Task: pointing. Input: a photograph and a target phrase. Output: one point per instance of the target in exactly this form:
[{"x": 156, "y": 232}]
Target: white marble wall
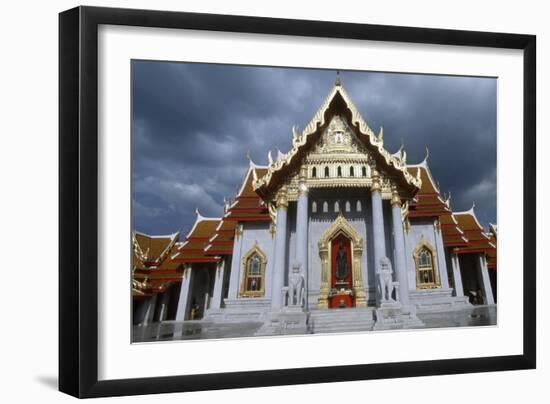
[
  {"x": 425, "y": 229},
  {"x": 319, "y": 222},
  {"x": 253, "y": 234},
  {"x": 361, "y": 221}
]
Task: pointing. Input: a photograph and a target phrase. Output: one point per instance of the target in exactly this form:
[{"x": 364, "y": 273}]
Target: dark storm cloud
[{"x": 193, "y": 125}]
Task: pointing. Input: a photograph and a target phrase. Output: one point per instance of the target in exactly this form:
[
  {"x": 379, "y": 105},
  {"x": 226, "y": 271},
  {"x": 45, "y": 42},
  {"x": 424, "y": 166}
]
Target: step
[{"x": 342, "y": 320}]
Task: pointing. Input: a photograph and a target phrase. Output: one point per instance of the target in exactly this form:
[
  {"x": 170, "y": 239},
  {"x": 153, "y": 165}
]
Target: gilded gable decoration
[{"x": 337, "y": 135}]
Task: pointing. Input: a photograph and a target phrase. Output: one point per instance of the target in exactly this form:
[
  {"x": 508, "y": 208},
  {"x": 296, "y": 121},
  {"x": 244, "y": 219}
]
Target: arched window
[
  {"x": 339, "y": 171},
  {"x": 348, "y": 206},
  {"x": 426, "y": 274},
  {"x": 314, "y": 207},
  {"x": 364, "y": 171},
  {"x": 325, "y": 206},
  {"x": 351, "y": 173},
  {"x": 358, "y": 207},
  {"x": 314, "y": 172},
  {"x": 337, "y": 206},
  {"x": 253, "y": 271},
  {"x": 326, "y": 171}
]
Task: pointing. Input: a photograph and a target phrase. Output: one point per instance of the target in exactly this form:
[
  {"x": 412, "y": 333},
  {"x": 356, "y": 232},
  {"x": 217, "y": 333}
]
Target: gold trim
[
  {"x": 282, "y": 199},
  {"x": 376, "y": 184},
  {"x": 416, "y": 253},
  {"x": 263, "y": 263},
  {"x": 341, "y": 226},
  {"x": 238, "y": 231},
  {"x": 395, "y": 198},
  {"x": 357, "y": 121},
  {"x": 437, "y": 226}
]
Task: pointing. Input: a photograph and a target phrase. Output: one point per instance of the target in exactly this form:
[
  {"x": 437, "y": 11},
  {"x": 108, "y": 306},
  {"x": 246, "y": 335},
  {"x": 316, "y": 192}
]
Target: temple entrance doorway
[
  {"x": 341, "y": 295},
  {"x": 340, "y": 250}
]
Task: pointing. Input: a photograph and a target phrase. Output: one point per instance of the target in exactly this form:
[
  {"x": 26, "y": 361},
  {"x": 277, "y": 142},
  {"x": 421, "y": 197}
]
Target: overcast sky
[{"x": 194, "y": 123}]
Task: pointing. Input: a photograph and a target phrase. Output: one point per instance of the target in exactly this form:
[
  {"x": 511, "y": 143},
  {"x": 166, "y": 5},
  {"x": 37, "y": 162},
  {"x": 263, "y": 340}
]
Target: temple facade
[{"x": 337, "y": 234}]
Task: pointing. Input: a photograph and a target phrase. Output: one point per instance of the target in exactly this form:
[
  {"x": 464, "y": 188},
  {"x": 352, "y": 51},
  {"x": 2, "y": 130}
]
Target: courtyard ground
[{"x": 189, "y": 330}]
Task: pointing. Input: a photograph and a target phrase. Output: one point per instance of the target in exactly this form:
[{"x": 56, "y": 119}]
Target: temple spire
[{"x": 338, "y": 83}]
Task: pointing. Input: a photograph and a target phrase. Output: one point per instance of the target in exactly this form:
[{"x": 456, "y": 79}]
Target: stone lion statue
[
  {"x": 295, "y": 286},
  {"x": 385, "y": 281}
]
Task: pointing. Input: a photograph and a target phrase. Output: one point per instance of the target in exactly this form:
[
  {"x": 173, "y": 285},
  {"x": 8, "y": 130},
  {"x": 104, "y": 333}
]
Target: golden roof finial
[
  {"x": 448, "y": 200},
  {"x": 380, "y": 137},
  {"x": 338, "y": 83}
]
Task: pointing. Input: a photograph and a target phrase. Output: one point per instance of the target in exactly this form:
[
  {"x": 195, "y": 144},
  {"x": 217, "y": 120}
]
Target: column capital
[
  {"x": 437, "y": 225},
  {"x": 376, "y": 186},
  {"x": 395, "y": 198},
  {"x": 302, "y": 189},
  {"x": 282, "y": 198}
]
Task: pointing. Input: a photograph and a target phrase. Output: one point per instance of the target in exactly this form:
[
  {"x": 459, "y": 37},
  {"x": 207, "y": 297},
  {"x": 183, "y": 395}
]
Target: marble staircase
[{"x": 341, "y": 320}]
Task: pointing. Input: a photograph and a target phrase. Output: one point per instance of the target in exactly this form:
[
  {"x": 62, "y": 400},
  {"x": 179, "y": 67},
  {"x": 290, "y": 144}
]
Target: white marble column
[
  {"x": 235, "y": 273},
  {"x": 457, "y": 276},
  {"x": 150, "y": 313},
  {"x": 377, "y": 221},
  {"x": 441, "y": 262},
  {"x": 399, "y": 243},
  {"x": 217, "y": 298},
  {"x": 302, "y": 230},
  {"x": 280, "y": 251},
  {"x": 484, "y": 272},
  {"x": 185, "y": 294},
  {"x": 164, "y": 301}
]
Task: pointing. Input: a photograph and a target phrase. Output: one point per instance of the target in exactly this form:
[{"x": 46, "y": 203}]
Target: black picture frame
[{"x": 78, "y": 200}]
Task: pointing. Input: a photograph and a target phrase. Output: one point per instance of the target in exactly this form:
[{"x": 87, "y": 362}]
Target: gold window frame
[
  {"x": 244, "y": 273},
  {"x": 424, "y": 245}
]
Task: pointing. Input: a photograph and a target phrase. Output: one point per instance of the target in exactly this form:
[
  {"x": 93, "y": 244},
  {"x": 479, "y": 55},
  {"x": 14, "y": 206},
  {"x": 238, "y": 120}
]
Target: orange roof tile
[
  {"x": 247, "y": 207},
  {"x": 152, "y": 251},
  {"x": 192, "y": 250},
  {"x": 492, "y": 252},
  {"x": 478, "y": 240},
  {"x": 453, "y": 236},
  {"x": 427, "y": 202}
]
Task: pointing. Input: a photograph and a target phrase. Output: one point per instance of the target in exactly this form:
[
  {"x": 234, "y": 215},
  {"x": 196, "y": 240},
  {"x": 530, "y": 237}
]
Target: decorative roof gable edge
[
  {"x": 318, "y": 120},
  {"x": 472, "y": 213}
]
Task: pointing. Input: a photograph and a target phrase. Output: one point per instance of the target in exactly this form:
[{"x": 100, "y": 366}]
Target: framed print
[{"x": 304, "y": 201}]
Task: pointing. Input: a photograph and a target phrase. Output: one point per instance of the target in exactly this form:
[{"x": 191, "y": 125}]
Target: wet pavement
[
  {"x": 190, "y": 330},
  {"x": 471, "y": 317},
  {"x": 171, "y": 330}
]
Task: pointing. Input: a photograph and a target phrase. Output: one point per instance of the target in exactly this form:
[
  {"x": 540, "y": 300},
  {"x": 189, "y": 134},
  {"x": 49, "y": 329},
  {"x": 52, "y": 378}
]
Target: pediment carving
[{"x": 338, "y": 138}]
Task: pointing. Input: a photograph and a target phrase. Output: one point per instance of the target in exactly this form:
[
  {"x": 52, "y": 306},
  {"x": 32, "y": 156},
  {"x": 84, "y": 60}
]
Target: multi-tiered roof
[{"x": 159, "y": 260}]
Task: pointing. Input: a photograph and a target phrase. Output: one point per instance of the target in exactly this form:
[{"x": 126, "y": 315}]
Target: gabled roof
[
  {"x": 453, "y": 236},
  {"x": 151, "y": 251},
  {"x": 153, "y": 269},
  {"x": 492, "y": 252},
  {"x": 247, "y": 207},
  {"x": 427, "y": 201},
  {"x": 478, "y": 240},
  {"x": 192, "y": 250},
  {"x": 337, "y": 101}
]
